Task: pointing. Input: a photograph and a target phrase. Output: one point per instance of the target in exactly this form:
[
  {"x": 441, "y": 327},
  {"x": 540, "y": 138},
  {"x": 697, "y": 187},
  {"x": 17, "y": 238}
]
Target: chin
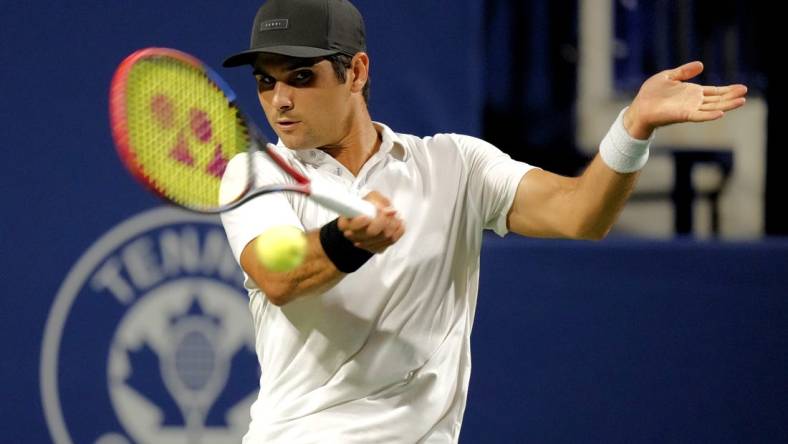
[
  {"x": 287, "y": 139},
  {"x": 297, "y": 140},
  {"x": 295, "y": 143}
]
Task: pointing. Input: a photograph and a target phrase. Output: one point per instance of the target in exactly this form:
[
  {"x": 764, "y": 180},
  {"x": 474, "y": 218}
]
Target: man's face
[{"x": 304, "y": 102}]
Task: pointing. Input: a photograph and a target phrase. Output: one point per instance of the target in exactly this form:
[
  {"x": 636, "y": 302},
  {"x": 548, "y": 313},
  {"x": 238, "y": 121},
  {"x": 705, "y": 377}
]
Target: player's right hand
[{"x": 376, "y": 234}]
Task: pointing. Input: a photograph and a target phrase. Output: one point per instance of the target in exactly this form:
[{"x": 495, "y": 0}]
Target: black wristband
[{"x": 340, "y": 250}]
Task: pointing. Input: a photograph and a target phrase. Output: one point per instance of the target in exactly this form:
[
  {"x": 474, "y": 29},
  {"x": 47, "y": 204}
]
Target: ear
[{"x": 359, "y": 71}]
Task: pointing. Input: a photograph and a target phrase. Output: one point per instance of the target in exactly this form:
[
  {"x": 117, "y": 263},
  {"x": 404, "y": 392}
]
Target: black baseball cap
[{"x": 304, "y": 28}]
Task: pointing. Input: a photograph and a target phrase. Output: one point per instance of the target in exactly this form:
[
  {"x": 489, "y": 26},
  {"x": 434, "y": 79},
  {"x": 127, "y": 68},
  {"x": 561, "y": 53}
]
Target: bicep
[{"x": 541, "y": 206}]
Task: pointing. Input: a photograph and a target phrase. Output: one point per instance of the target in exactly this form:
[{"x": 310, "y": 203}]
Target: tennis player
[{"x": 369, "y": 340}]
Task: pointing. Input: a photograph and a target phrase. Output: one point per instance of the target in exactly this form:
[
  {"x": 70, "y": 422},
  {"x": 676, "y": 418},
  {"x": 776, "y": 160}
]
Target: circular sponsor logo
[{"x": 150, "y": 338}]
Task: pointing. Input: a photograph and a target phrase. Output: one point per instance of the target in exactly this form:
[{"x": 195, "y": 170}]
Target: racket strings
[{"x": 183, "y": 130}]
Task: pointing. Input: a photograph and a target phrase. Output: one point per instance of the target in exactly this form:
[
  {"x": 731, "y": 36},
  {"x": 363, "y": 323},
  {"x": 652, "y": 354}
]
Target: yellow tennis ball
[{"x": 281, "y": 248}]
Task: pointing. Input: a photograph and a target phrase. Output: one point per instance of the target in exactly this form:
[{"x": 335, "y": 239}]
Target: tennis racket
[{"x": 176, "y": 126}]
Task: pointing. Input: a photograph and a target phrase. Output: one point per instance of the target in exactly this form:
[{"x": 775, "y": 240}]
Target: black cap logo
[{"x": 271, "y": 25}]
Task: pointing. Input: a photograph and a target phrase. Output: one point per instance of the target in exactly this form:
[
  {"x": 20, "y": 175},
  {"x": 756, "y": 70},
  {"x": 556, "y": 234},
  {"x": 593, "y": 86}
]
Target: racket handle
[{"x": 344, "y": 203}]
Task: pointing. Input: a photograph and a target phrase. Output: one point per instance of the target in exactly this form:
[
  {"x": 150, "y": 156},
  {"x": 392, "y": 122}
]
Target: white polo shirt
[{"x": 383, "y": 356}]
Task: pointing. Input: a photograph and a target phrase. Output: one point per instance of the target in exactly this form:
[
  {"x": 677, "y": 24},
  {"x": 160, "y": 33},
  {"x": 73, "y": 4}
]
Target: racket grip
[{"x": 344, "y": 203}]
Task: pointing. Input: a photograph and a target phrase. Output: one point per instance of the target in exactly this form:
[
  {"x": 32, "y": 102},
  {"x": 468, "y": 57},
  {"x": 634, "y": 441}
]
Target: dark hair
[{"x": 341, "y": 63}]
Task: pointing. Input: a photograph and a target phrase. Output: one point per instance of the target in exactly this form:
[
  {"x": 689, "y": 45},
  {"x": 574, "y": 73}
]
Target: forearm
[
  {"x": 600, "y": 196},
  {"x": 315, "y": 275},
  {"x": 604, "y": 187},
  {"x": 339, "y": 247}
]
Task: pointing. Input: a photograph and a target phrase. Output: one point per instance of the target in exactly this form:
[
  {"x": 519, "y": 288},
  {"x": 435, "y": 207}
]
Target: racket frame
[{"x": 346, "y": 205}]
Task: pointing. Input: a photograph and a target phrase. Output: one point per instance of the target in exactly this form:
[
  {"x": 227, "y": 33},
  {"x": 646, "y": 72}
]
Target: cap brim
[{"x": 249, "y": 56}]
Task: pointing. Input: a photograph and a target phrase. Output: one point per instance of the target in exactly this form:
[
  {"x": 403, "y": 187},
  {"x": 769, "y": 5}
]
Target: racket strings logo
[
  {"x": 150, "y": 338},
  {"x": 173, "y": 125},
  {"x": 200, "y": 130}
]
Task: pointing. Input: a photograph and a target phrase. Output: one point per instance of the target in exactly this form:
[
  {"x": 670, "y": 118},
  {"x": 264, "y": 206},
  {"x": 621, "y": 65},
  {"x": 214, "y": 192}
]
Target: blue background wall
[{"x": 619, "y": 341}]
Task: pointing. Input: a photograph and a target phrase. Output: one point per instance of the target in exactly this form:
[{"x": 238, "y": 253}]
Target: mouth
[{"x": 287, "y": 123}]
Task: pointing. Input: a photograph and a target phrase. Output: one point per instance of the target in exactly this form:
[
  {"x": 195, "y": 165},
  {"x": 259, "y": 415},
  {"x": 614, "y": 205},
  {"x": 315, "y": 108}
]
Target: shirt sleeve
[
  {"x": 493, "y": 177},
  {"x": 248, "y": 221}
]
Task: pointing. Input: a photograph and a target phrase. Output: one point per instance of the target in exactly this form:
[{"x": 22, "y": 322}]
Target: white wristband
[{"x": 620, "y": 151}]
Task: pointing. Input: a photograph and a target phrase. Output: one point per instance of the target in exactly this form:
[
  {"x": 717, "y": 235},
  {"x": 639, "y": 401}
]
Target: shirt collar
[{"x": 392, "y": 144}]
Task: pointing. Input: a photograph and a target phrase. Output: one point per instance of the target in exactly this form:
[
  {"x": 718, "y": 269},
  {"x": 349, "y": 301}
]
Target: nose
[{"x": 283, "y": 97}]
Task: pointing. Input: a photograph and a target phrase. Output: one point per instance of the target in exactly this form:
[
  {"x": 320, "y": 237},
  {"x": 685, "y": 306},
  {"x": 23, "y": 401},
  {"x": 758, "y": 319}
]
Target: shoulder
[
  {"x": 440, "y": 143},
  {"x": 445, "y": 143},
  {"x": 234, "y": 180},
  {"x": 444, "y": 147},
  {"x": 469, "y": 149},
  {"x": 239, "y": 165},
  {"x": 458, "y": 142},
  {"x": 263, "y": 168}
]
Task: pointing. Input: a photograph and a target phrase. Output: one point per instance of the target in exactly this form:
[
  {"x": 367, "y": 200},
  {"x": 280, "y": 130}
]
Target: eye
[
  {"x": 302, "y": 77},
  {"x": 264, "y": 81}
]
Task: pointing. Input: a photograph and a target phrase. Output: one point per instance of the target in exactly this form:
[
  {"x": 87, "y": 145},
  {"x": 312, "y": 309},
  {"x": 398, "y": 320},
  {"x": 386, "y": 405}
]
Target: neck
[{"x": 361, "y": 141}]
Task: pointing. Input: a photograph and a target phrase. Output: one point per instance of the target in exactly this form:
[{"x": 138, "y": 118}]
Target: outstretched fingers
[
  {"x": 724, "y": 92},
  {"x": 723, "y": 98},
  {"x": 705, "y": 116}
]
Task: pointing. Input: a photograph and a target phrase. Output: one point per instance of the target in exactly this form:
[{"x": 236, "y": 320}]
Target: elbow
[
  {"x": 595, "y": 236},
  {"x": 591, "y": 225},
  {"x": 277, "y": 294},
  {"x": 591, "y": 233},
  {"x": 277, "y": 300}
]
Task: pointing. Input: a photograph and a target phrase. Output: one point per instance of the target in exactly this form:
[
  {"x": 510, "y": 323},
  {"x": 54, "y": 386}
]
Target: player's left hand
[
  {"x": 667, "y": 98},
  {"x": 377, "y": 234}
]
